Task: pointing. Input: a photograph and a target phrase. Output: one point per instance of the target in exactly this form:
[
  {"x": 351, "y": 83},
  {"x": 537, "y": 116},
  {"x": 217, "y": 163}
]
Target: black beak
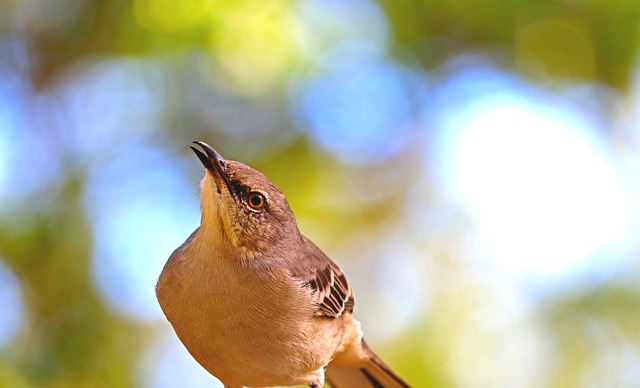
[{"x": 212, "y": 161}]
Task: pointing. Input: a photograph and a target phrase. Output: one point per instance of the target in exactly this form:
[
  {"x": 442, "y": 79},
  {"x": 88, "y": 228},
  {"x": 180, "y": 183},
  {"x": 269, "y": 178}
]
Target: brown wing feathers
[
  {"x": 332, "y": 290},
  {"x": 333, "y": 296}
]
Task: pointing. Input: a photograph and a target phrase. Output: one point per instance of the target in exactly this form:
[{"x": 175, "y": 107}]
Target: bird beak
[{"x": 212, "y": 161}]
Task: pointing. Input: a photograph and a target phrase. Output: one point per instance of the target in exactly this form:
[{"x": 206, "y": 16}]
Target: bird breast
[{"x": 244, "y": 326}]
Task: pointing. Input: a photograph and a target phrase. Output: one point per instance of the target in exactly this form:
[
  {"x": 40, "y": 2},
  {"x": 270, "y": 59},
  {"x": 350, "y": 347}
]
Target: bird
[{"x": 254, "y": 301}]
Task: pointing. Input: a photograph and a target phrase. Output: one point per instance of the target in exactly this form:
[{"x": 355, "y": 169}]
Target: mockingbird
[{"x": 254, "y": 301}]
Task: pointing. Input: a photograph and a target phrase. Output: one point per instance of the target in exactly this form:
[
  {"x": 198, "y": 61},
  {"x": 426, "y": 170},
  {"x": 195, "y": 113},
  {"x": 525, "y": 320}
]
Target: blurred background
[{"x": 472, "y": 165}]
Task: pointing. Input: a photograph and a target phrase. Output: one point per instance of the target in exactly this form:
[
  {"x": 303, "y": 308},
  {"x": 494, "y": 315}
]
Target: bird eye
[{"x": 255, "y": 200}]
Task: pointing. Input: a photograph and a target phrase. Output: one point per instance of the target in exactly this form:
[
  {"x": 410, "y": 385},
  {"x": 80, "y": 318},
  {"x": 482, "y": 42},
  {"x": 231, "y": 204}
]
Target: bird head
[{"x": 241, "y": 207}]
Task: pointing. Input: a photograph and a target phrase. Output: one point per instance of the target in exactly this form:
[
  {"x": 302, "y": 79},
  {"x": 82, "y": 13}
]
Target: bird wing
[
  {"x": 331, "y": 291},
  {"x": 328, "y": 284}
]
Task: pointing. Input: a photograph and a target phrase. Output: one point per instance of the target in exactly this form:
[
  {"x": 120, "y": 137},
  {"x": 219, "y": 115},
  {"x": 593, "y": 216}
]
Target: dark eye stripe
[
  {"x": 242, "y": 192},
  {"x": 238, "y": 188}
]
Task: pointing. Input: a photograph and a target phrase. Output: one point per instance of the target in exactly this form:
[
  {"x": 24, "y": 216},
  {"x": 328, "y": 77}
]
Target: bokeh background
[{"x": 473, "y": 165}]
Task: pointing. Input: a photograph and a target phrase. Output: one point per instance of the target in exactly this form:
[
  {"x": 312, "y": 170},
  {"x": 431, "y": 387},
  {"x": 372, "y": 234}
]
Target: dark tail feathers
[{"x": 374, "y": 373}]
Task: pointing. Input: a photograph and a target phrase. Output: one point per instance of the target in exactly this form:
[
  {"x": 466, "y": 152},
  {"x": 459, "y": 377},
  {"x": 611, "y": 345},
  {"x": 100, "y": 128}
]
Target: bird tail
[{"x": 372, "y": 372}]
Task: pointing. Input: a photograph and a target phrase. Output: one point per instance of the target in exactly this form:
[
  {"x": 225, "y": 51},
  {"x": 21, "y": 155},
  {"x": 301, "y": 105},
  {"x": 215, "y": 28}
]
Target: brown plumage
[{"x": 254, "y": 301}]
